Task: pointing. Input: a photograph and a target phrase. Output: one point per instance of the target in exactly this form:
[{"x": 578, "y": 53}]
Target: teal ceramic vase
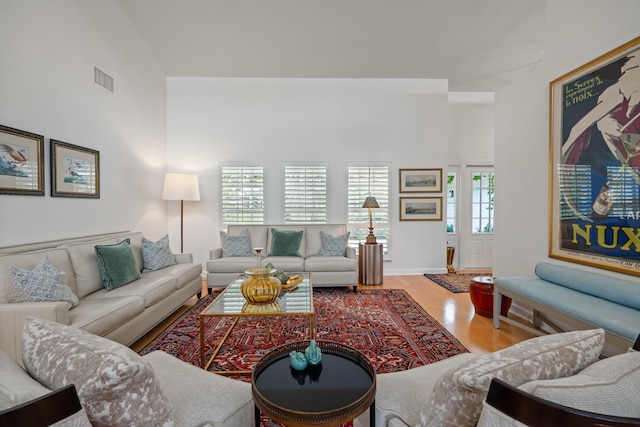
[
  {"x": 298, "y": 360},
  {"x": 313, "y": 353}
]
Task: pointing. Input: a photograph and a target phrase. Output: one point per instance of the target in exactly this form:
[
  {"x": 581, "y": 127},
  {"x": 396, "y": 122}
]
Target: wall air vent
[{"x": 103, "y": 79}]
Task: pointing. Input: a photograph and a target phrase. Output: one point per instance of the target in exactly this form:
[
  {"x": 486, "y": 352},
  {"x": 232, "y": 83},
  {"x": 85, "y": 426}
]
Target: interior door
[{"x": 477, "y": 217}]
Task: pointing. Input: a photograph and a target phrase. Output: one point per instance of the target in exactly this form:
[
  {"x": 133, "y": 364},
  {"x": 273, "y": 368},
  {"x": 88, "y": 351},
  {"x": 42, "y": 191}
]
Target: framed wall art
[
  {"x": 21, "y": 162},
  {"x": 594, "y": 216},
  {"x": 420, "y": 180},
  {"x": 75, "y": 171},
  {"x": 420, "y": 208}
]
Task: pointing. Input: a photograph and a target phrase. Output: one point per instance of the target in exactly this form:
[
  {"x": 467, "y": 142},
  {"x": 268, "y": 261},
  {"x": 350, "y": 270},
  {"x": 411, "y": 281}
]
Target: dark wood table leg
[
  {"x": 372, "y": 414},
  {"x": 257, "y": 413}
]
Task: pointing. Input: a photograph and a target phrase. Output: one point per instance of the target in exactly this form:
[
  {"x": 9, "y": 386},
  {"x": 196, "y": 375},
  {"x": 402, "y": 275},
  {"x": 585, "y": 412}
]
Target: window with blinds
[
  {"x": 363, "y": 181},
  {"x": 242, "y": 195},
  {"x": 305, "y": 193}
]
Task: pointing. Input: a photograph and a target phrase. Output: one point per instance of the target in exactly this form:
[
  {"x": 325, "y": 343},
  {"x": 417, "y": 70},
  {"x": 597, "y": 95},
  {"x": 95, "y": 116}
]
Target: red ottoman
[{"x": 481, "y": 292}]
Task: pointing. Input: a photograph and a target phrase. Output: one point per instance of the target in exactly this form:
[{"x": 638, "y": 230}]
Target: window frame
[{"x": 485, "y": 202}]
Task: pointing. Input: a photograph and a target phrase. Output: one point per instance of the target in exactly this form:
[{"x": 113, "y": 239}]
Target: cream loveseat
[
  {"x": 563, "y": 368},
  {"x": 332, "y": 270},
  {"x": 123, "y": 314}
]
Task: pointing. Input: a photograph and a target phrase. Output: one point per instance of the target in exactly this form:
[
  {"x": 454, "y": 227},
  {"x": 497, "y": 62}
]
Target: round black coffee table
[{"x": 338, "y": 390}]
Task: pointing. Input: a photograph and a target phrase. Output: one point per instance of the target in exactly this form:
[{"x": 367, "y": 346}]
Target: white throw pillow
[
  {"x": 456, "y": 399},
  {"x": 116, "y": 386},
  {"x": 610, "y": 386},
  {"x": 239, "y": 245},
  {"x": 157, "y": 255},
  {"x": 333, "y": 245},
  {"x": 45, "y": 283}
]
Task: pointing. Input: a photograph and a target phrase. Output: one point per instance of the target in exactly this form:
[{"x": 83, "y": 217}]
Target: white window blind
[
  {"x": 364, "y": 181},
  {"x": 305, "y": 193},
  {"x": 242, "y": 195}
]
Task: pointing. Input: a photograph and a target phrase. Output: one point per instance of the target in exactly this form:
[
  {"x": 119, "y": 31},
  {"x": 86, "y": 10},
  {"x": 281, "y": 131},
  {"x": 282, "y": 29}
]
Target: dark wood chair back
[
  {"x": 44, "y": 410},
  {"x": 536, "y": 412}
]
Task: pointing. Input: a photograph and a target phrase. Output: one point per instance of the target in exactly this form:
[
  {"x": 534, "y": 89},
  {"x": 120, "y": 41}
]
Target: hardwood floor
[{"x": 454, "y": 311}]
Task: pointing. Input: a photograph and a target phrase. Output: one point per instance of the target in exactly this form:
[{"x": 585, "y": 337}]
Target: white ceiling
[{"x": 479, "y": 45}]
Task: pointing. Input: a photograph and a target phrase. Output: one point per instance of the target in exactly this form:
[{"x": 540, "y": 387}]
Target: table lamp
[
  {"x": 181, "y": 186},
  {"x": 371, "y": 203}
]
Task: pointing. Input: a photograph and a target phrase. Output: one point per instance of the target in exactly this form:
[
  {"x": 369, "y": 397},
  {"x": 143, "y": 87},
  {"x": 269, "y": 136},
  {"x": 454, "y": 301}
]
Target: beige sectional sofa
[
  {"x": 326, "y": 270},
  {"x": 123, "y": 314}
]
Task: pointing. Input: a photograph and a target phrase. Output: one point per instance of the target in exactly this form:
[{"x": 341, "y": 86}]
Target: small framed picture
[
  {"x": 420, "y": 208},
  {"x": 21, "y": 162},
  {"x": 75, "y": 171},
  {"x": 420, "y": 180}
]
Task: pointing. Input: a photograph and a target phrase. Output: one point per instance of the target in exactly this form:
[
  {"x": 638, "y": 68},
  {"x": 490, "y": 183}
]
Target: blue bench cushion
[
  {"x": 611, "y": 316},
  {"x": 620, "y": 291}
]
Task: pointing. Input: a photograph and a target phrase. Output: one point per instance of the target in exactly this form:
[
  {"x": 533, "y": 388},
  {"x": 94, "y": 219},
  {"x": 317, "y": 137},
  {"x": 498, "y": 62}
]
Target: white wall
[
  {"x": 48, "y": 51},
  {"x": 577, "y": 32},
  {"x": 471, "y": 133},
  {"x": 471, "y": 141},
  {"x": 214, "y": 120}
]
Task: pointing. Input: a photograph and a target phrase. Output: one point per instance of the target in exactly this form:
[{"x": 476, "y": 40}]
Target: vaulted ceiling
[{"x": 478, "y": 45}]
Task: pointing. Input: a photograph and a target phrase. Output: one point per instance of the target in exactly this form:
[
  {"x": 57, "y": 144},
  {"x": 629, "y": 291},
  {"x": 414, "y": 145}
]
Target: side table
[
  {"x": 370, "y": 264},
  {"x": 339, "y": 389},
  {"x": 481, "y": 293}
]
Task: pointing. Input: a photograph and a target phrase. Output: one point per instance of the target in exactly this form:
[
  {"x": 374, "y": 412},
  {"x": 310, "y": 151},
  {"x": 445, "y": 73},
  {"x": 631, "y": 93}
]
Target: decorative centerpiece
[
  {"x": 260, "y": 287},
  {"x": 312, "y": 356}
]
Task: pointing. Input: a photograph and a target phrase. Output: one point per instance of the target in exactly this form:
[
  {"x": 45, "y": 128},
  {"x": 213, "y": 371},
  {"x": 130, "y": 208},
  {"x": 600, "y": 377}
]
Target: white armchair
[
  {"x": 451, "y": 392},
  {"x": 116, "y": 386}
]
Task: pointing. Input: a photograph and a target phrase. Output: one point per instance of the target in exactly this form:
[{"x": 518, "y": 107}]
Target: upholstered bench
[{"x": 577, "y": 298}]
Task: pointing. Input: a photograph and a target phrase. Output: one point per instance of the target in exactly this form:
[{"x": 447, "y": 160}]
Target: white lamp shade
[{"x": 180, "y": 186}]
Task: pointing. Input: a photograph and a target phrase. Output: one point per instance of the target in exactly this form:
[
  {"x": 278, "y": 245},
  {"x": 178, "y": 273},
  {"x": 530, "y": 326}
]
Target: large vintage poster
[{"x": 595, "y": 156}]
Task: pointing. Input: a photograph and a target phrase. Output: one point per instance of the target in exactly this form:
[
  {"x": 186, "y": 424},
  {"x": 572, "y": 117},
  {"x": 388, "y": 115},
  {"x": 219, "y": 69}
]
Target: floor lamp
[{"x": 181, "y": 186}]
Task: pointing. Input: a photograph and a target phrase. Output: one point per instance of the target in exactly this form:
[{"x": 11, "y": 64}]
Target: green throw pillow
[
  {"x": 285, "y": 242},
  {"x": 117, "y": 264}
]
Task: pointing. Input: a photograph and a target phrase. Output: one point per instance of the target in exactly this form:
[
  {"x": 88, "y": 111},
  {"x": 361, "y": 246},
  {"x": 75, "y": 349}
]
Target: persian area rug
[
  {"x": 387, "y": 325},
  {"x": 454, "y": 282}
]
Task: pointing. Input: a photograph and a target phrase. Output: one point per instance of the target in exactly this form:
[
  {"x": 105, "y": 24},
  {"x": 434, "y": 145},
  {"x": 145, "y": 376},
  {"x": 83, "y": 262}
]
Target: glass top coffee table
[
  {"x": 339, "y": 389},
  {"x": 297, "y": 301}
]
